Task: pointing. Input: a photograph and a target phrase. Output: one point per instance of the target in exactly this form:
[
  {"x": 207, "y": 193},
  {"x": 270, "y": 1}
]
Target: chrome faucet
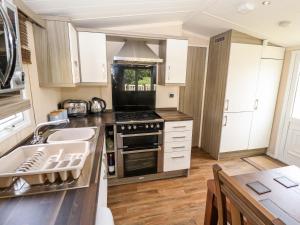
[{"x": 38, "y": 138}]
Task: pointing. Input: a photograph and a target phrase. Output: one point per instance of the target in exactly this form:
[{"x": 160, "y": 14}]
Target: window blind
[
  {"x": 25, "y": 51},
  {"x": 12, "y": 103}
]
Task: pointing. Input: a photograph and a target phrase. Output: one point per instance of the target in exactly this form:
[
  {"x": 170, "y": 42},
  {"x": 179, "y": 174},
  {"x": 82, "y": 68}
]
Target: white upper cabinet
[
  {"x": 173, "y": 71},
  {"x": 92, "y": 52},
  {"x": 242, "y": 78},
  {"x": 235, "y": 131},
  {"x": 74, "y": 54},
  {"x": 272, "y": 52},
  {"x": 266, "y": 96}
]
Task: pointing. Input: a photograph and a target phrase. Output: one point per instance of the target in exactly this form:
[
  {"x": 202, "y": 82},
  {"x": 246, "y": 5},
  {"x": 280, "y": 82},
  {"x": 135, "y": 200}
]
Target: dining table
[{"x": 278, "y": 190}]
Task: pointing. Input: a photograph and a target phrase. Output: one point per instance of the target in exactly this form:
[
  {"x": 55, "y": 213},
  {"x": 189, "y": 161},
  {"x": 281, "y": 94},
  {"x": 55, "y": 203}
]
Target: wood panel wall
[
  {"x": 218, "y": 58},
  {"x": 191, "y": 95}
]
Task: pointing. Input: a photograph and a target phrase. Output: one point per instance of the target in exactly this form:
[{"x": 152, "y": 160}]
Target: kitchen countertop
[
  {"x": 167, "y": 114},
  {"x": 71, "y": 207},
  {"x": 173, "y": 115}
]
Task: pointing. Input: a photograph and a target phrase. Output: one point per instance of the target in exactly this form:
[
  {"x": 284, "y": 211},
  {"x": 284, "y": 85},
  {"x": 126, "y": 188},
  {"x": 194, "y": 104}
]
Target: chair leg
[{"x": 211, "y": 212}]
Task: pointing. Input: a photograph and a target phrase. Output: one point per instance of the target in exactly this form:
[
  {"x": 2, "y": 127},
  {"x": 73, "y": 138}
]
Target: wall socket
[{"x": 171, "y": 95}]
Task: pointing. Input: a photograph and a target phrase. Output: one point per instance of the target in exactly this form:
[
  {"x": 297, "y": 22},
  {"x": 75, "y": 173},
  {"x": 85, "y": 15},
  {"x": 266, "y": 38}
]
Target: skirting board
[
  {"x": 150, "y": 177},
  {"x": 242, "y": 153}
]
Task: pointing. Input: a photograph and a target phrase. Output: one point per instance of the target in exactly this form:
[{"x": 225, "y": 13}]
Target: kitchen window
[{"x": 11, "y": 121}]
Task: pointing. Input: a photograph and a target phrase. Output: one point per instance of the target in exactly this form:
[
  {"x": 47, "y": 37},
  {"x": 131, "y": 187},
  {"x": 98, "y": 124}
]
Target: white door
[
  {"x": 74, "y": 53},
  {"x": 92, "y": 51},
  {"x": 266, "y": 96},
  {"x": 176, "y": 60},
  {"x": 235, "y": 131},
  {"x": 292, "y": 144},
  {"x": 242, "y": 78}
]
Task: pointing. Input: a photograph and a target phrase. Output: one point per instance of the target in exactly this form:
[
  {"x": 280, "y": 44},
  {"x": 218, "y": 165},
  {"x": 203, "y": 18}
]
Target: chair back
[{"x": 243, "y": 208}]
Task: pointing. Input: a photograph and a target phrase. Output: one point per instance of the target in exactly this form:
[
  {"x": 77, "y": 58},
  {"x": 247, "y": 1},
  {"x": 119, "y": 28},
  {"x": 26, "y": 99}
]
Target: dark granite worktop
[{"x": 71, "y": 207}]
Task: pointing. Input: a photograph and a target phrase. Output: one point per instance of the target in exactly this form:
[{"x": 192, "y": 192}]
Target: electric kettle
[{"x": 98, "y": 105}]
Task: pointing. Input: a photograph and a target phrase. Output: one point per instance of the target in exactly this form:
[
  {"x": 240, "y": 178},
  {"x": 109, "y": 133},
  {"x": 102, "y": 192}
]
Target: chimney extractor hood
[{"x": 136, "y": 52}]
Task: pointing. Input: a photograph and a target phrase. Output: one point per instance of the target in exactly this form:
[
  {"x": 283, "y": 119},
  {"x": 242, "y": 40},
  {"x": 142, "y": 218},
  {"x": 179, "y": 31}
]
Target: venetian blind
[{"x": 25, "y": 51}]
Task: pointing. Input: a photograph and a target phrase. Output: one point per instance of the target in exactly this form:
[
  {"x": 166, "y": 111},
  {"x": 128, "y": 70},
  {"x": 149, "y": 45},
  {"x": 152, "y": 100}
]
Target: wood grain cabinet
[
  {"x": 177, "y": 145},
  {"x": 243, "y": 77},
  {"x": 173, "y": 69},
  {"x": 57, "y": 54},
  {"x": 93, "y": 63}
]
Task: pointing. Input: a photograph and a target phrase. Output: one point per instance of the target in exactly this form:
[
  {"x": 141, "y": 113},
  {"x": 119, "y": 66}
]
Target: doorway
[{"x": 291, "y": 132}]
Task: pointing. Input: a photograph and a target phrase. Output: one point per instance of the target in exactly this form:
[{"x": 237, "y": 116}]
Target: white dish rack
[{"x": 37, "y": 164}]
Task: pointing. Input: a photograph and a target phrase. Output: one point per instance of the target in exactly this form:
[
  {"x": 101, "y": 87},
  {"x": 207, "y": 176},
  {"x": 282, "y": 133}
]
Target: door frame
[{"x": 287, "y": 107}]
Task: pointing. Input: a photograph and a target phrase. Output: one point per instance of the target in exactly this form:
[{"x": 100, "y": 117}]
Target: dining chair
[{"x": 243, "y": 208}]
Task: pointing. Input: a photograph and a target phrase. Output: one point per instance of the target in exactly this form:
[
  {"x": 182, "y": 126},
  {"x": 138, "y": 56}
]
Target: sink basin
[{"x": 71, "y": 134}]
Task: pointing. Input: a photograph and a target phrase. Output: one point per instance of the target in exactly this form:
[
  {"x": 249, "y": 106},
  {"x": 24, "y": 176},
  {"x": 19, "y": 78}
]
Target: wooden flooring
[{"x": 178, "y": 201}]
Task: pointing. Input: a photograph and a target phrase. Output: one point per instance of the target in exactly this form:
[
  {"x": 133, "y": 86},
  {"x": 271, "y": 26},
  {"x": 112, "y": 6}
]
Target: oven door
[{"x": 139, "y": 162}]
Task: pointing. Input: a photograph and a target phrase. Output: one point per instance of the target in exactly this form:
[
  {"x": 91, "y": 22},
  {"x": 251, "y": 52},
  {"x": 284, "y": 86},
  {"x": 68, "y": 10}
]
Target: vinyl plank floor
[{"x": 177, "y": 201}]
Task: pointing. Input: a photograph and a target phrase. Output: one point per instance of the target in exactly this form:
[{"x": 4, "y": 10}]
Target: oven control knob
[
  {"x": 129, "y": 127},
  {"x": 146, "y": 126},
  {"x": 157, "y": 125},
  {"x": 134, "y": 127},
  {"x": 122, "y": 127},
  {"x": 152, "y": 125}
]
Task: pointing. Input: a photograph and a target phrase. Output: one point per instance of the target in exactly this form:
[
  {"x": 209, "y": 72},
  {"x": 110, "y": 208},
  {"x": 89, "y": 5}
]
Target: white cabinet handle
[
  {"x": 256, "y": 104},
  {"x": 103, "y": 71},
  {"x": 179, "y": 137},
  {"x": 178, "y": 147},
  {"x": 225, "y": 119},
  {"x": 177, "y": 157},
  {"x": 226, "y": 104},
  {"x": 179, "y": 127}
]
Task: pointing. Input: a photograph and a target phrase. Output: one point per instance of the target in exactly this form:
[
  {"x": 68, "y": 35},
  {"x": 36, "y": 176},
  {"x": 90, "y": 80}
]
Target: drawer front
[
  {"x": 178, "y": 136},
  {"x": 178, "y": 126},
  {"x": 178, "y": 146},
  {"x": 177, "y": 160}
]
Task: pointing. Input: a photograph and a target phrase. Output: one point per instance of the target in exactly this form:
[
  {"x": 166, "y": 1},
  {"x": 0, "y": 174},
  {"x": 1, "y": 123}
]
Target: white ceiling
[{"x": 205, "y": 17}]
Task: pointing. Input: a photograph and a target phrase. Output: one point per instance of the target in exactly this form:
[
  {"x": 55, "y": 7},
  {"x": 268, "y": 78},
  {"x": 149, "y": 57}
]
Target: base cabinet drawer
[
  {"x": 178, "y": 146},
  {"x": 178, "y": 136},
  {"x": 177, "y": 160},
  {"x": 178, "y": 126}
]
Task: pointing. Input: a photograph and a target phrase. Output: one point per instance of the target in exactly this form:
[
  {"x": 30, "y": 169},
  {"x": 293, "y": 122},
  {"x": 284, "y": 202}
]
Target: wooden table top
[{"x": 283, "y": 202}]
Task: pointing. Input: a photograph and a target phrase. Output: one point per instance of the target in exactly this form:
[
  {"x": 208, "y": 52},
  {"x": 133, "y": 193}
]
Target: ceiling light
[
  {"x": 266, "y": 3},
  {"x": 246, "y": 8},
  {"x": 284, "y": 23}
]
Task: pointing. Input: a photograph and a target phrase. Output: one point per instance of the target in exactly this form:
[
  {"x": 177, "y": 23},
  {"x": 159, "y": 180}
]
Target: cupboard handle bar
[
  {"x": 141, "y": 134},
  {"x": 179, "y": 137},
  {"x": 225, "y": 124},
  {"x": 177, "y": 157},
  {"x": 178, "y": 147},
  {"x": 179, "y": 127},
  {"x": 256, "y": 104},
  {"x": 226, "y": 104},
  {"x": 141, "y": 151}
]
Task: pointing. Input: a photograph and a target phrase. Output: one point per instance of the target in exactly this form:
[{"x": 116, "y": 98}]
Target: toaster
[{"x": 76, "y": 107}]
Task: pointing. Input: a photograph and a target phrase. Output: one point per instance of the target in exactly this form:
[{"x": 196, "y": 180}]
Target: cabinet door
[
  {"x": 176, "y": 60},
  {"x": 242, "y": 77},
  {"x": 235, "y": 131},
  {"x": 273, "y": 52},
  {"x": 74, "y": 54},
  {"x": 268, "y": 84},
  {"x": 59, "y": 54},
  {"x": 92, "y": 51}
]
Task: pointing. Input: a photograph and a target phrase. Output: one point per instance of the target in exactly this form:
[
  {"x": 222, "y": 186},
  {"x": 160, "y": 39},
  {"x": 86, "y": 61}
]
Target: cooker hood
[{"x": 134, "y": 51}]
